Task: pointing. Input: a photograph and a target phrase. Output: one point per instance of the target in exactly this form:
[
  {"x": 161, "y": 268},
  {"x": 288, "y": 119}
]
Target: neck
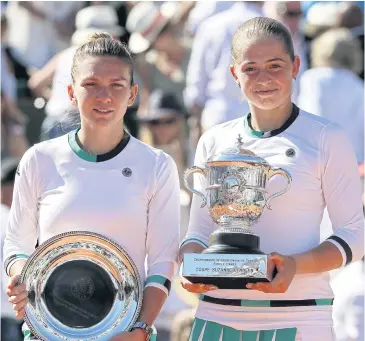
[
  {"x": 100, "y": 141},
  {"x": 267, "y": 120}
]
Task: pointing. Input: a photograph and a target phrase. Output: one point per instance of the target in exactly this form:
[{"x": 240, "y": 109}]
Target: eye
[
  {"x": 250, "y": 69},
  {"x": 89, "y": 84},
  {"x": 117, "y": 85},
  {"x": 275, "y": 66}
]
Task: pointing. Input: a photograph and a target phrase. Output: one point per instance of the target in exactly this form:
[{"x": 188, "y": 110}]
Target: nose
[
  {"x": 263, "y": 77},
  {"x": 103, "y": 94}
]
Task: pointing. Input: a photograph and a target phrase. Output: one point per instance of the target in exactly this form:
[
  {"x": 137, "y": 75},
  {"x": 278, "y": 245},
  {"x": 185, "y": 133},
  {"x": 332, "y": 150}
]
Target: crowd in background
[{"x": 182, "y": 55}]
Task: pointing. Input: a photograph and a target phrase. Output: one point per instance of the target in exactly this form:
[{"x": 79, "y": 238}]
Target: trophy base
[
  {"x": 227, "y": 270},
  {"x": 232, "y": 260}
]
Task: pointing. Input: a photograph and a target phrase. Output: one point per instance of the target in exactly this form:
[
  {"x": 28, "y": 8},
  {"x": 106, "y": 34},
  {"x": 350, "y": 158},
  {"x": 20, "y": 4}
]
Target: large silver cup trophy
[{"x": 236, "y": 198}]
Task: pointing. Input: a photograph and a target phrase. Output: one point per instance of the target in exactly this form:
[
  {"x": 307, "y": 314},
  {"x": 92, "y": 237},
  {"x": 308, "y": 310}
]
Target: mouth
[
  {"x": 266, "y": 93},
  {"x": 103, "y": 111}
]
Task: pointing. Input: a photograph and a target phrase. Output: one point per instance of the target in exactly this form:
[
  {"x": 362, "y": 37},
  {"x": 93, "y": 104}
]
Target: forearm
[
  {"x": 324, "y": 257},
  {"x": 17, "y": 267},
  {"x": 189, "y": 248},
  {"x": 153, "y": 300}
]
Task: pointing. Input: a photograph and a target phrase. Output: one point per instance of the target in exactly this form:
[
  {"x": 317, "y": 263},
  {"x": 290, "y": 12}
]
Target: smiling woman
[
  {"x": 297, "y": 304},
  {"x": 99, "y": 179}
]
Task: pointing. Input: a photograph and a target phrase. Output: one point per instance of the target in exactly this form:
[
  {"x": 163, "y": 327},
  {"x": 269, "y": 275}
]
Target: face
[
  {"x": 102, "y": 90},
  {"x": 265, "y": 73},
  {"x": 290, "y": 14}
]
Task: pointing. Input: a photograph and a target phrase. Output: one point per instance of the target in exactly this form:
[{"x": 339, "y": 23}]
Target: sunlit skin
[
  {"x": 103, "y": 90},
  {"x": 265, "y": 73}
]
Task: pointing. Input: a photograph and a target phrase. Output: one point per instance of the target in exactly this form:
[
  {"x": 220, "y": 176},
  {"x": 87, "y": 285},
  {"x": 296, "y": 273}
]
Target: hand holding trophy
[{"x": 236, "y": 199}]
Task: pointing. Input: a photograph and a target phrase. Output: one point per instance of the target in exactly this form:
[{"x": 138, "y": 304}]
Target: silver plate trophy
[
  {"x": 81, "y": 286},
  {"x": 236, "y": 198}
]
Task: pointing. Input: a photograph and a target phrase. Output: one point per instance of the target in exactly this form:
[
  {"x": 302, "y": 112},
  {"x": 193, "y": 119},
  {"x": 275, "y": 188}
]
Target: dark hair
[
  {"x": 102, "y": 44},
  {"x": 261, "y": 27}
]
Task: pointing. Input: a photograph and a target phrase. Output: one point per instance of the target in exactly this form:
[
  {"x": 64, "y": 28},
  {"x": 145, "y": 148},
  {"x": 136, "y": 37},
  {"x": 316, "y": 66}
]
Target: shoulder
[
  {"x": 326, "y": 132},
  {"x": 53, "y": 147},
  {"x": 308, "y": 119},
  {"x": 41, "y": 153}
]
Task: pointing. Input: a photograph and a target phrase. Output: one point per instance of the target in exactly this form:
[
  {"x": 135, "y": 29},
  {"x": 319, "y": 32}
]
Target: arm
[
  {"x": 21, "y": 234},
  {"x": 40, "y": 81},
  {"x": 162, "y": 238},
  {"x": 201, "y": 225},
  {"x": 29, "y": 5},
  {"x": 342, "y": 193},
  {"x": 22, "y": 229}
]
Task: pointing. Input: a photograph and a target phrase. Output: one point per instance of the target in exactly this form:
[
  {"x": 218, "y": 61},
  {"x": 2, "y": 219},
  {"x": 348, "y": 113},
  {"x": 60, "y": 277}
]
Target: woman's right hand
[
  {"x": 18, "y": 296},
  {"x": 196, "y": 288}
]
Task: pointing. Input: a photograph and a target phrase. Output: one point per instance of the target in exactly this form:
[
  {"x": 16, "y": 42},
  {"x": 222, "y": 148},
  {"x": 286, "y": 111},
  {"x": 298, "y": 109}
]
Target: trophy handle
[
  {"x": 187, "y": 173},
  {"x": 285, "y": 174}
]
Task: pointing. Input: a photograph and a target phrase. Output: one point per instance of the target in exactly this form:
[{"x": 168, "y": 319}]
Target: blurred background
[{"x": 182, "y": 54}]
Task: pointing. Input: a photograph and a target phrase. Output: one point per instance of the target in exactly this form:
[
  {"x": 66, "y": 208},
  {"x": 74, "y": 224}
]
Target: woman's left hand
[
  {"x": 286, "y": 268},
  {"x": 135, "y": 335}
]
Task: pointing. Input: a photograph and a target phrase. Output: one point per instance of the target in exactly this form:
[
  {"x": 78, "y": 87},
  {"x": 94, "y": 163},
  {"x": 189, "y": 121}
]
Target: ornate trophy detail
[
  {"x": 236, "y": 198},
  {"x": 81, "y": 286}
]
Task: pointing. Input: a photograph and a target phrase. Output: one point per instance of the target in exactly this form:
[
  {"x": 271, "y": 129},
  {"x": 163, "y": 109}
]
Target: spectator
[
  {"x": 13, "y": 125},
  {"x": 204, "y": 10},
  {"x": 211, "y": 95},
  {"x": 45, "y": 22},
  {"x": 332, "y": 88},
  {"x": 290, "y": 14},
  {"x": 51, "y": 81},
  {"x": 162, "y": 55},
  {"x": 165, "y": 121}
]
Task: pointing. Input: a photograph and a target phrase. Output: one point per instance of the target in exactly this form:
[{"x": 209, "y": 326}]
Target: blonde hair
[{"x": 337, "y": 48}]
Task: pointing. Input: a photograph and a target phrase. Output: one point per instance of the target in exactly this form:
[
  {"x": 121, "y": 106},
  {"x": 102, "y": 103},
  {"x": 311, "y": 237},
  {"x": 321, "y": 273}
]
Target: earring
[
  {"x": 238, "y": 83},
  {"x": 295, "y": 78}
]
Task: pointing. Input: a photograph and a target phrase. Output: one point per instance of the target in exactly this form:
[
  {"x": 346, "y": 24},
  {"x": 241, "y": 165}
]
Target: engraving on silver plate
[
  {"x": 255, "y": 268},
  {"x": 83, "y": 288},
  {"x": 102, "y": 252}
]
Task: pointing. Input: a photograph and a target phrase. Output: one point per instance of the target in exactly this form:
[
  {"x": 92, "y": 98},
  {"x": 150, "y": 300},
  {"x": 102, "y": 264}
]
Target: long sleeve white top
[{"x": 131, "y": 198}]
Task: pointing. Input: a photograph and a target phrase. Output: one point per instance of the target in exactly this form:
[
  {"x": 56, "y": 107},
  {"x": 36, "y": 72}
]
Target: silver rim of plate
[{"x": 96, "y": 254}]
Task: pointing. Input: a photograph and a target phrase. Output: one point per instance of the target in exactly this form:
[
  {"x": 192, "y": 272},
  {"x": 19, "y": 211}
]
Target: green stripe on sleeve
[
  {"x": 189, "y": 240},
  {"x": 160, "y": 280}
]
